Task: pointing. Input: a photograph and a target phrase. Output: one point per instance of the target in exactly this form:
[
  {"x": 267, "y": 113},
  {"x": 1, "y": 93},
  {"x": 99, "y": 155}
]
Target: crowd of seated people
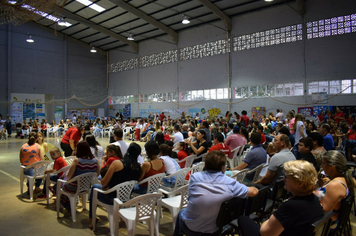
[{"x": 276, "y": 139}]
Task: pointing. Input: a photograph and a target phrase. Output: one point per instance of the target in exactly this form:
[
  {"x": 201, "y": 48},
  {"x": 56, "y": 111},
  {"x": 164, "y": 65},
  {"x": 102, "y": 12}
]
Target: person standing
[
  {"x": 70, "y": 140},
  {"x": 328, "y": 139}
]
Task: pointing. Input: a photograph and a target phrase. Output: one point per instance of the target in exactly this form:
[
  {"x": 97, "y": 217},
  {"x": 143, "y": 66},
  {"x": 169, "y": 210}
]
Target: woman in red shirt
[{"x": 70, "y": 140}]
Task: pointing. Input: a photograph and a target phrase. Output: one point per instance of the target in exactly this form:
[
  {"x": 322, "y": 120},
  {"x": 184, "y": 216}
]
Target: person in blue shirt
[{"x": 328, "y": 139}]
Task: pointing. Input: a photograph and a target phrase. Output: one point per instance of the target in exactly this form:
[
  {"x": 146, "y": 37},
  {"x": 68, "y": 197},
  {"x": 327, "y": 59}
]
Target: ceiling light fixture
[
  {"x": 61, "y": 22},
  {"x": 93, "y": 50},
  {"x": 268, "y": 0},
  {"x": 130, "y": 37},
  {"x": 30, "y": 39},
  {"x": 185, "y": 20}
]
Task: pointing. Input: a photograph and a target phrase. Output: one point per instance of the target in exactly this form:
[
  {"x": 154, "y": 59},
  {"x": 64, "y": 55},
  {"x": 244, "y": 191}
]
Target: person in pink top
[{"x": 235, "y": 140}]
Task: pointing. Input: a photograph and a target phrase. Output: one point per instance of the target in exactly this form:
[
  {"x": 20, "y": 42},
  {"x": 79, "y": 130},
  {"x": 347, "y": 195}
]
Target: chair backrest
[
  {"x": 69, "y": 160},
  {"x": 189, "y": 161},
  {"x": 344, "y": 213},
  {"x": 184, "y": 195},
  {"x": 236, "y": 151},
  {"x": 257, "y": 204},
  {"x": 83, "y": 181},
  {"x": 180, "y": 177},
  {"x": 278, "y": 192},
  {"x": 257, "y": 171},
  {"x": 153, "y": 182},
  {"x": 145, "y": 205},
  {"x": 40, "y": 167},
  {"x": 240, "y": 176},
  {"x": 241, "y": 150},
  {"x": 229, "y": 210},
  {"x": 198, "y": 167},
  {"x": 321, "y": 226},
  {"x": 123, "y": 190},
  {"x": 202, "y": 156}
]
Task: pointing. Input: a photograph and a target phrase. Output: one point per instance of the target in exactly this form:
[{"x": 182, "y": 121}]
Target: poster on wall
[
  {"x": 318, "y": 109},
  {"x": 58, "y": 114},
  {"x": 17, "y": 112},
  {"x": 258, "y": 112},
  {"x": 126, "y": 111},
  {"x": 320, "y": 97},
  {"x": 113, "y": 109},
  {"x": 88, "y": 113},
  {"x": 146, "y": 112},
  {"x": 40, "y": 114},
  {"x": 306, "y": 111},
  {"x": 192, "y": 112},
  {"x": 29, "y": 111}
]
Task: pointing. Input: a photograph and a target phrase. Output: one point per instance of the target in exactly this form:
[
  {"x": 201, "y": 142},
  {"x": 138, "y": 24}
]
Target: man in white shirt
[
  {"x": 118, "y": 134},
  {"x": 177, "y": 136}
]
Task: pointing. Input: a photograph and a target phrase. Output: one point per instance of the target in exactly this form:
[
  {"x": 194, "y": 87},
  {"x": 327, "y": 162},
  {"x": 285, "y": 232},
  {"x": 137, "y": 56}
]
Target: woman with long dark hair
[
  {"x": 95, "y": 147},
  {"x": 119, "y": 171}
]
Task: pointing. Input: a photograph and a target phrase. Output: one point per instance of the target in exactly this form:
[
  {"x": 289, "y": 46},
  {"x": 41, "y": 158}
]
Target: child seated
[{"x": 59, "y": 163}]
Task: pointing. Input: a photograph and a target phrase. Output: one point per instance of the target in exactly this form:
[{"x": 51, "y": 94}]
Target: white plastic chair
[
  {"x": 127, "y": 131},
  {"x": 202, "y": 156},
  {"x": 83, "y": 188},
  {"x": 188, "y": 161},
  {"x": 49, "y": 182},
  {"x": 180, "y": 181},
  {"x": 69, "y": 160},
  {"x": 39, "y": 168},
  {"x": 240, "y": 176},
  {"x": 257, "y": 171},
  {"x": 143, "y": 211},
  {"x": 198, "y": 167},
  {"x": 153, "y": 183},
  {"x": 123, "y": 192},
  {"x": 176, "y": 203},
  {"x": 232, "y": 161}
]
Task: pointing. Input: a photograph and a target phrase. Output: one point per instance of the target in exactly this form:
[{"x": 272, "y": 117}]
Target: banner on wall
[
  {"x": 320, "y": 97},
  {"x": 193, "y": 111},
  {"x": 113, "y": 109},
  {"x": 16, "y": 112},
  {"x": 29, "y": 111},
  {"x": 146, "y": 112},
  {"x": 126, "y": 111},
  {"x": 58, "y": 114},
  {"x": 306, "y": 111},
  {"x": 318, "y": 109},
  {"x": 258, "y": 112}
]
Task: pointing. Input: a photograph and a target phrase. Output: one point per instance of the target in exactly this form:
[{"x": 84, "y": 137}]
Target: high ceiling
[{"x": 147, "y": 19}]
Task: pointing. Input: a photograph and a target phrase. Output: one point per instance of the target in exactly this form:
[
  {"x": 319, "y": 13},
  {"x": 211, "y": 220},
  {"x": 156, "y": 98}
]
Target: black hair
[
  {"x": 159, "y": 138},
  {"x": 219, "y": 137},
  {"x": 130, "y": 158},
  {"x": 308, "y": 142},
  {"x": 231, "y": 125},
  {"x": 118, "y": 133},
  {"x": 255, "y": 138},
  {"x": 284, "y": 130},
  {"x": 206, "y": 124},
  {"x": 202, "y": 132},
  {"x": 152, "y": 148},
  {"x": 244, "y": 112},
  {"x": 90, "y": 139},
  {"x": 184, "y": 145},
  {"x": 317, "y": 137},
  {"x": 165, "y": 150},
  {"x": 115, "y": 149},
  {"x": 244, "y": 132}
]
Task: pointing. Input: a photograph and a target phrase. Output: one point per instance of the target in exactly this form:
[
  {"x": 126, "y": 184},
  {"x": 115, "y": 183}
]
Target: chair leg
[
  {"x": 58, "y": 201},
  {"x": 131, "y": 227},
  {"x": 84, "y": 201},
  {"x": 111, "y": 221},
  {"x": 73, "y": 208},
  {"x": 30, "y": 187},
  {"x": 174, "y": 212},
  {"x": 93, "y": 216}
]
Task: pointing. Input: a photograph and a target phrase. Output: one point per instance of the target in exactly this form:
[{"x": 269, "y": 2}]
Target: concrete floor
[{"x": 21, "y": 216}]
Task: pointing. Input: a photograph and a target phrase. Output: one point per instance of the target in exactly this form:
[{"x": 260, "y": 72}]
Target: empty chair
[
  {"x": 83, "y": 188},
  {"x": 180, "y": 181},
  {"x": 144, "y": 210},
  {"x": 198, "y": 167},
  {"x": 127, "y": 132},
  {"x": 175, "y": 203},
  {"x": 123, "y": 192},
  {"x": 39, "y": 169}
]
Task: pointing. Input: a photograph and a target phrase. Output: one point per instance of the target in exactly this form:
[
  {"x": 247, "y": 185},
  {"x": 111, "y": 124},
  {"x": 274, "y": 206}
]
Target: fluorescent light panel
[
  {"x": 92, "y": 5},
  {"x": 41, "y": 13}
]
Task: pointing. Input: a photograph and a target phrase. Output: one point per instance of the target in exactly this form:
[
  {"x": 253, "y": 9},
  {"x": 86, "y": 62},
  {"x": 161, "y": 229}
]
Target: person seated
[
  {"x": 294, "y": 216},
  {"x": 30, "y": 153},
  {"x": 220, "y": 145},
  {"x": 275, "y": 167},
  {"x": 235, "y": 140},
  {"x": 85, "y": 162},
  {"x": 152, "y": 167},
  {"x": 182, "y": 148},
  {"x": 113, "y": 153},
  {"x": 120, "y": 171},
  {"x": 253, "y": 158},
  {"x": 207, "y": 190},
  {"x": 340, "y": 185},
  {"x": 318, "y": 146},
  {"x": 201, "y": 146},
  {"x": 171, "y": 166},
  {"x": 305, "y": 147},
  {"x": 59, "y": 163}
]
